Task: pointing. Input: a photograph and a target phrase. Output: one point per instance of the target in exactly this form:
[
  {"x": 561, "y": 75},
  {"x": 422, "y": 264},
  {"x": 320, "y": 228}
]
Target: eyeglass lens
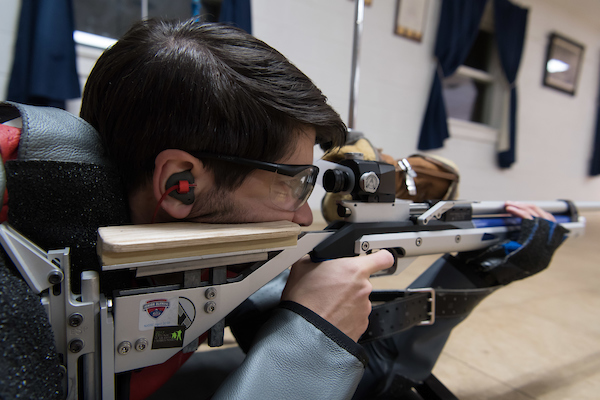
[{"x": 291, "y": 192}]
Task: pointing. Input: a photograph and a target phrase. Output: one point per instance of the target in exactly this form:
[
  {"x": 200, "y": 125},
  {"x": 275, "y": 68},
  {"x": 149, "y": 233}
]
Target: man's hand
[
  {"x": 337, "y": 290},
  {"x": 527, "y": 211},
  {"x": 511, "y": 260}
]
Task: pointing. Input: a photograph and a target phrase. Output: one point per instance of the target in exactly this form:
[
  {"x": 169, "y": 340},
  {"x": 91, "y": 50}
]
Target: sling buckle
[{"x": 431, "y": 300}]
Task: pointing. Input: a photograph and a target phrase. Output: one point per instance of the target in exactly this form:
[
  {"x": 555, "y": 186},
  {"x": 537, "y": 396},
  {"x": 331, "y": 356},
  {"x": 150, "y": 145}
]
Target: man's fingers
[
  {"x": 527, "y": 211},
  {"x": 545, "y": 214},
  {"x": 518, "y": 212},
  {"x": 367, "y": 264},
  {"x": 376, "y": 262}
]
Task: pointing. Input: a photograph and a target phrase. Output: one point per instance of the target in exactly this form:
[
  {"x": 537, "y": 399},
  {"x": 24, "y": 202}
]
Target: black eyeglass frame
[{"x": 283, "y": 169}]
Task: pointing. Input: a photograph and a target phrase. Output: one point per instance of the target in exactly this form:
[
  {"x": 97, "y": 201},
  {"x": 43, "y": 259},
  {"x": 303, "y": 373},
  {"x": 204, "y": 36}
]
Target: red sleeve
[{"x": 9, "y": 144}]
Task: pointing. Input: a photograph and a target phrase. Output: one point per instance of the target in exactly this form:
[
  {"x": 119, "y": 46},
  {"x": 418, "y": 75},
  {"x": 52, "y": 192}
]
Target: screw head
[
  {"x": 124, "y": 347},
  {"x": 457, "y": 239},
  {"x": 364, "y": 246},
  {"x": 76, "y": 345},
  {"x": 55, "y": 277},
  {"x": 419, "y": 241},
  {"x": 75, "y": 319},
  {"x": 210, "y": 307},
  {"x": 210, "y": 293},
  {"x": 141, "y": 344}
]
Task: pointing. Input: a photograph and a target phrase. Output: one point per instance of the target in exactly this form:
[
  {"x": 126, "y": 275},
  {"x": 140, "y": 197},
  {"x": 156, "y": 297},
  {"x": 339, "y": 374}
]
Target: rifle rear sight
[{"x": 366, "y": 181}]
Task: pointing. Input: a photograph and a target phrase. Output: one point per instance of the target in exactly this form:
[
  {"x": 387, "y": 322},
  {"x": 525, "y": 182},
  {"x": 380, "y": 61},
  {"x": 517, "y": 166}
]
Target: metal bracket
[
  {"x": 33, "y": 263},
  {"x": 435, "y": 212},
  {"x": 360, "y": 212}
]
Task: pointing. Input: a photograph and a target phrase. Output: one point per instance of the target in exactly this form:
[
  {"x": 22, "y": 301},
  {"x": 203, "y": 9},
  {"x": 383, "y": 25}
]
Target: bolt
[
  {"x": 457, "y": 239},
  {"x": 124, "y": 347},
  {"x": 75, "y": 319},
  {"x": 55, "y": 277},
  {"x": 141, "y": 344},
  {"x": 364, "y": 246},
  {"x": 419, "y": 242},
  {"x": 75, "y": 345},
  {"x": 210, "y": 307},
  {"x": 369, "y": 182},
  {"x": 210, "y": 293}
]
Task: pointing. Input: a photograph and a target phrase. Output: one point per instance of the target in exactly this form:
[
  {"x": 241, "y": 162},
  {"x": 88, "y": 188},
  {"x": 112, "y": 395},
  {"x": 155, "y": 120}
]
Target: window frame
[{"x": 495, "y": 102}]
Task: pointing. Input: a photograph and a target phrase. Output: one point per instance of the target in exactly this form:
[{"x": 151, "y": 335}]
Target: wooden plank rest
[{"x": 141, "y": 243}]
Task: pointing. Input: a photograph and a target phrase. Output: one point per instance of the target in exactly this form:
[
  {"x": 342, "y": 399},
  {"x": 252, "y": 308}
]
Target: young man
[
  {"x": 222, "y": 108},
  {"x": 216, "y": 103}
]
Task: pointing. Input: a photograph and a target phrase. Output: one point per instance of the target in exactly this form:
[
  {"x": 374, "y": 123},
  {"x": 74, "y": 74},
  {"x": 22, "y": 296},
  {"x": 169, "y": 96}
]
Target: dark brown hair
[{"x": 201, "y": 87}]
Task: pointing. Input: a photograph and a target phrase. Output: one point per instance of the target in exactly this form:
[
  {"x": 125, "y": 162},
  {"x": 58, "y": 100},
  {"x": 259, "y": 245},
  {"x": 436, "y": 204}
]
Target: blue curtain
[
  {"x": 44, "y": 71},
  {"x": 510, "y": 23},
  {"x": 458, "y": 28},
  {"x": 237, "y": 13}
]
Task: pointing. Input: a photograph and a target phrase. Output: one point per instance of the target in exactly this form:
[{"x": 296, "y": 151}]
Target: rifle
[{"x": 142, "y": 326}]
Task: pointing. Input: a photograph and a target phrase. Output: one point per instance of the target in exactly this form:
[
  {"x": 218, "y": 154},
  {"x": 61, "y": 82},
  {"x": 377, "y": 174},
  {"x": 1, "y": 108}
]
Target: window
[
  {"x": 474, "y": 93},
  {"x": 112, "y": 18},
  {"x": 98, "y": 24}
]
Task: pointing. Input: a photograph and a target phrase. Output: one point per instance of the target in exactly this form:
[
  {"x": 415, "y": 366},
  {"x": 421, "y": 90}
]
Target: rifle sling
[{"x": 400, "y": 310}]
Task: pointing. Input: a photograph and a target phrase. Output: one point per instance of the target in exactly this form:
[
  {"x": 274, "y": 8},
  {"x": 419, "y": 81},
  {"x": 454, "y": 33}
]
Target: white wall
[
  {"x": 395, "y": 73},
  {"x": 555, "y": 129}
]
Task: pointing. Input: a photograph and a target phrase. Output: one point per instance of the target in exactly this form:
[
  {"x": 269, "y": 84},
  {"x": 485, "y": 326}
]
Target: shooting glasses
[{"x": 291, "y": 185}]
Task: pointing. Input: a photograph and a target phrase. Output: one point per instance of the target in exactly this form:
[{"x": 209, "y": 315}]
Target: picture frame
[
  {"x": 410, "y": 19},
  {"x": 563, "y": 63},
  {"x": 366, "y": 2}
]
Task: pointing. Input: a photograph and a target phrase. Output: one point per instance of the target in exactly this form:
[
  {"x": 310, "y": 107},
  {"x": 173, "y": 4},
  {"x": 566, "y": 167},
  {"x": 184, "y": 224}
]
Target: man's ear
[{"x": 169, "y": 166}]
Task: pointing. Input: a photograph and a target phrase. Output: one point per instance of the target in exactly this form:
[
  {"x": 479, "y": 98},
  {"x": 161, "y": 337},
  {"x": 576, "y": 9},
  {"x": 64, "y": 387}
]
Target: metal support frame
[
  {"x": 32, "y": 262},
  {"x": 73, "y": 318},
  {"x": 74, "y": 322},
  {"x": 107, "y": 346}
]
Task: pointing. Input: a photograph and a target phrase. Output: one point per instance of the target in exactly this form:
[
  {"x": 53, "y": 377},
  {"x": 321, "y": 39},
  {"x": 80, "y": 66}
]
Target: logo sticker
[
  {"x": 155, "y": 312},
  {"x": 166, "y": 337},
  {"x": 187, "y": 312},
  {"x": 155, "y": 308}
]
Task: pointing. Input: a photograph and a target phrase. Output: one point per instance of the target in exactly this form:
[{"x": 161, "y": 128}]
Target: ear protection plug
[{"x": 179, "y": 186}]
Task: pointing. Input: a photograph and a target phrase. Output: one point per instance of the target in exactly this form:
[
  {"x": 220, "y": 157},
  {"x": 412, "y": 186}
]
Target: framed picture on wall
[
  {"x": 563, "y": 62},
  {"x": 410, "y": 18}
]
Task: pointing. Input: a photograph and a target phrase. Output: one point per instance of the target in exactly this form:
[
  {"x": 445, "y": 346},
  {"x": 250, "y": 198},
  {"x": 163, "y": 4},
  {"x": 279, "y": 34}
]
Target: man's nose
[{"x": 303, "y": 216}]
